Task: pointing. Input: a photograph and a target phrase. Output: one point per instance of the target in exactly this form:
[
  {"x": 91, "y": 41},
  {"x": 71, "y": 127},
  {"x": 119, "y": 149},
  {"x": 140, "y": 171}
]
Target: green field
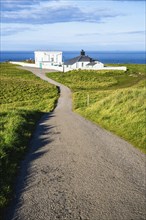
[
  {"x": 112, "y": 99},
  {"x": 23, "y": 99}
]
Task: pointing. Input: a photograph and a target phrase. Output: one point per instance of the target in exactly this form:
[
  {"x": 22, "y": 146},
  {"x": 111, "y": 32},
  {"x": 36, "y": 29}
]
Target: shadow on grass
[{"x": 39, "y": 140}]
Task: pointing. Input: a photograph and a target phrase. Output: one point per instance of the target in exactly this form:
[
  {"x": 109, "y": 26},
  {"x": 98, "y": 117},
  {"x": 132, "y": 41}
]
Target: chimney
[{"x": 82, "y": 53}]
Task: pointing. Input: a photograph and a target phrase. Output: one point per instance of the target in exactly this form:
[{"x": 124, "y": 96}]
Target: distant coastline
[{"x": 116, "y": 57}]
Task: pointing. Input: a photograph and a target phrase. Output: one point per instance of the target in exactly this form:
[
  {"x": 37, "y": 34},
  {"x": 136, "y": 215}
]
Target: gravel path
[{"x": 77, "y": 171}]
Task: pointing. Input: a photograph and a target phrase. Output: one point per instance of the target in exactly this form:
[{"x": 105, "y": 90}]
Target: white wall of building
[
  {"x": 48, "y": 57},
  {"x": 78, "y": 65},
  {"x": 98, "y": 65},
  {"x": 83, "y": 65},
  {"x": 66, "y": 69}
]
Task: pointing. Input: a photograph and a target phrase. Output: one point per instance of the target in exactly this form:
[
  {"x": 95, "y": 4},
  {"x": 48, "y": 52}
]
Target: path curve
[{"x": 76, "y": 170}]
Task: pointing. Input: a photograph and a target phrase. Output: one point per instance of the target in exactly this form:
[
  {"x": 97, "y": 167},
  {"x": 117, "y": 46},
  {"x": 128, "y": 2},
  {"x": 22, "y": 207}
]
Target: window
[{"x": 82, "y": 64}]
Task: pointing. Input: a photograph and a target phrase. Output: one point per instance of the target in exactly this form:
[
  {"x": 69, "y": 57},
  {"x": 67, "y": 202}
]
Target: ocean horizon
[{"x": 119, "y": 57}]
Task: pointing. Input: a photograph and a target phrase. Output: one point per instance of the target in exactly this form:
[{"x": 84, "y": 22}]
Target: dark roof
[{"x": 81, "y": 58}]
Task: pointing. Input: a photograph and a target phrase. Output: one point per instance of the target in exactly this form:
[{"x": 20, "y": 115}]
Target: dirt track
[{"x": 77, "y": 171}]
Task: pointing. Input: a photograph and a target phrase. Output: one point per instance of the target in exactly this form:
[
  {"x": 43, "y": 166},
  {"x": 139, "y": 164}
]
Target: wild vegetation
[
  {"x": 112, "y": 99},
  {"x": 23, "y": 99}
]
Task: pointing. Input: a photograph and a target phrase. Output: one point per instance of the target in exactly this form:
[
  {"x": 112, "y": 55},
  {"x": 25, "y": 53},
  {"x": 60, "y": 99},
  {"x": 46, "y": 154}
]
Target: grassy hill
[
  {"x": 112, "y": 99},
  {"x": 23, "y": 99}
]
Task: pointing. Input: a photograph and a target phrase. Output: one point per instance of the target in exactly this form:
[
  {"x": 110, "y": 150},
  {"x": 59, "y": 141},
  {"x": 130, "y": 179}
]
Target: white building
[
  {"x": 53, "y": 60},
  {"x": 48, "y": 58},
  {"x": 83, "y": 62}
]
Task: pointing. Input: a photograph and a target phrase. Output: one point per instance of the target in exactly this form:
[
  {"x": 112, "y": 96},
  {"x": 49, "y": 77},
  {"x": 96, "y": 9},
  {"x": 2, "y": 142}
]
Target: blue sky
[{"x": 72, "y": 25}]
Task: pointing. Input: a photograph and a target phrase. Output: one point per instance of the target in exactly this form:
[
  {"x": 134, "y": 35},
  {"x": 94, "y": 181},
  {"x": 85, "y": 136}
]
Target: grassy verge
[
  {"x": 23, "y": 100},
  {"x": 113, "y": 99}
]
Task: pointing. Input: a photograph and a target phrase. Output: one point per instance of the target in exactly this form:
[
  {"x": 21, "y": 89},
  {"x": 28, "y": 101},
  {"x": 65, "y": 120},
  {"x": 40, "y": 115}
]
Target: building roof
[{"x": 81, "y": 58}]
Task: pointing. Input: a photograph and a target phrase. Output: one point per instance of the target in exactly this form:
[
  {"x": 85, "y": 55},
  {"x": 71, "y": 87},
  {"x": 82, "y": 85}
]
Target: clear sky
[{"x": 97, "y": 25}]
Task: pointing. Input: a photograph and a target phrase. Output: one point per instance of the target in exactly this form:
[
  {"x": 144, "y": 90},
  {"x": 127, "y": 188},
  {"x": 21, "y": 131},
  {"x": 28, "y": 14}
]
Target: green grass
[
  {"x": 24, "y": 98},
  {"x": 116, "y": 99}
]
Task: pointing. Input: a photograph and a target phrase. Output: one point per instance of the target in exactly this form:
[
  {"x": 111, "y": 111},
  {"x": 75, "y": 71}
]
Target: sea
[{"x": 116, "y": 57}]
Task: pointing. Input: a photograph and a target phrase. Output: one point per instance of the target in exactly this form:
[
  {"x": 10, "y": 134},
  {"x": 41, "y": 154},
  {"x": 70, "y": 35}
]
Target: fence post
[{"x": 88, "y": 99}]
